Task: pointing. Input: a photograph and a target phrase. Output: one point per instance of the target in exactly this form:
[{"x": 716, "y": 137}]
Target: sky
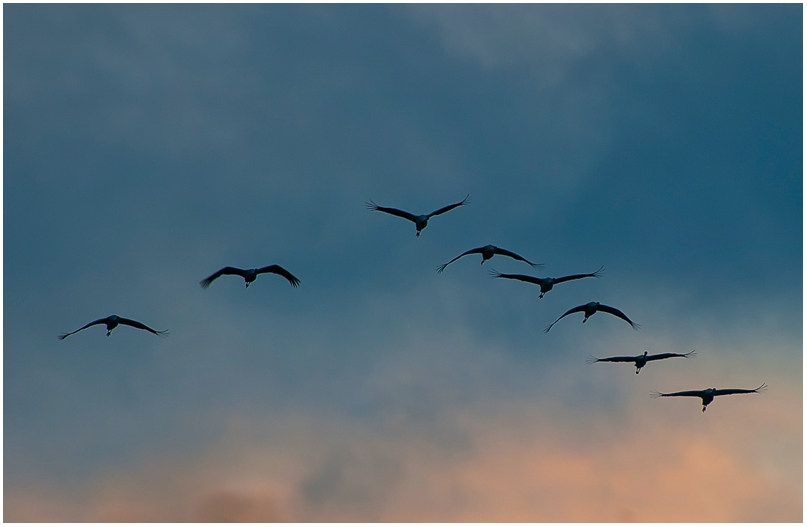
[{"x": 147, "y": 146}]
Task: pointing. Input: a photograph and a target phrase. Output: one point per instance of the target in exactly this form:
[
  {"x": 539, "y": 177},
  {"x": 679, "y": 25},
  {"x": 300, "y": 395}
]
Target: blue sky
[{"x": 146, "y": 146}]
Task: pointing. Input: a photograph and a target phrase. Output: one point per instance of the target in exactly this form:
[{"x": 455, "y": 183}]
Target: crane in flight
[
  {"x": 708, "y": 395},
  {"x": 591, "y": 308},
  {"x": 249, "y": 275},
  {"x": 419, "y": 221},
  {"x": 546, "y": 284},
  {"x": 640, "y": 360},
  {"x": 487, "y": 252},
  {"x": 112, "y": 322}
]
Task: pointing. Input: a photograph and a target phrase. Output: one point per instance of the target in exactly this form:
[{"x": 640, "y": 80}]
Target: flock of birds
[{"x": 487, "y": 252}]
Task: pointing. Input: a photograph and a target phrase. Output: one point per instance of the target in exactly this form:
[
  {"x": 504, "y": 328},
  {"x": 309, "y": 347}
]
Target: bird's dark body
[
  {"x": 420, "y": 223},
  {"x": 488, "y": 251},
  {"x": 545, "y": 285},
  {"x": 640, "y": 362},
  {"x": 707, "y": 398},
  {"x": 589, "y": 309},
  {"x": 250, "y": 275},
  {"x": 111, "y": 323}
]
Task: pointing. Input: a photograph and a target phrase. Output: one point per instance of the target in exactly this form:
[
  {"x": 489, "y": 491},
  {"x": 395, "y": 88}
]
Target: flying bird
[
  {"x": 249, "y": 275},
  {"x": 546, "y": 284},
  {"x": 112, "y": 322},
  {"x": 420, "y": 221},
  {"x": 708, "y": 395},
  {"x": 640, "y": 360},
  {"x": 591, "y": 308},
  {"x": 487, "y": 252}
]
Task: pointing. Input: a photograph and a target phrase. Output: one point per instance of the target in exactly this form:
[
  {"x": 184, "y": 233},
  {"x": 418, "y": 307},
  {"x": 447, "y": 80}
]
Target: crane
[
  {"x": 708, "y": 395},
  {"x": 487, "y": 252},
  {"x": 249, "y": 275},
  {"x": 591, "y": 308},
  {"x": 546, "y": 284},
  {"x": 112, "y": 322},
  {"x": 640, "y": 360},
  {"x": 421, "y": 220}
]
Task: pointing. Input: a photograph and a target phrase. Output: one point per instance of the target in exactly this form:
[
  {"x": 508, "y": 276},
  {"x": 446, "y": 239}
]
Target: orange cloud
[{"x": 522, "y": 465}]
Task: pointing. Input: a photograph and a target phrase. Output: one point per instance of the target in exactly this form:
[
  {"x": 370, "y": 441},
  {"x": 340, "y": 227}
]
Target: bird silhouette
[
  {"x": 640, "y": 360},
  {"x": 708, "y": 395},
  {"x": 249, "y": 275},
  {"x": 546, "y": 284},
  {"x": 112, "y": 322},
  {"x": 487, "y": 252},
  {"x": 591, "y": 308},
  {"x": 420, "y": 221}
]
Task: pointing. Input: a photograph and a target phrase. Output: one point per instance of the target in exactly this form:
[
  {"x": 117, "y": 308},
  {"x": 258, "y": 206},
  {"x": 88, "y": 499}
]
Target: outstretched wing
[
  {"x": 140, "y": 325},
  {"x": 731, "y": 391},
  {"x": 612, "y": 359},
  {"x": 595, "y": 274},
  {"x": 617, "y": 313},
  {"x": 660, "y": 356},
  {"x": 505, "y": 252},
  {"x": 99, "y": 321},
  {"x": 395, "y": 212},
  {"x": 522, "y": 277},
  {"x": 472, "y": 251},
  {"x": 689, "y": 393},
  {"x": 449, "y": 207},
  {"x": 293, "y": 280},
  {"x": 226, "y": 270},
  {"x": 572, "y": 310}
]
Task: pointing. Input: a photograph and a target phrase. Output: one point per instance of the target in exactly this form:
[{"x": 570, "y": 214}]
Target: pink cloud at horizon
[{"x": 529, "y": 466}]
